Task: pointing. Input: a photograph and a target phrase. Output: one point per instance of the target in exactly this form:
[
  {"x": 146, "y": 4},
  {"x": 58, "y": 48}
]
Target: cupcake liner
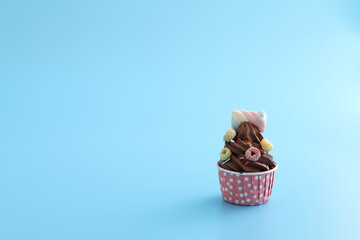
[{"x": 246, "y": 188}]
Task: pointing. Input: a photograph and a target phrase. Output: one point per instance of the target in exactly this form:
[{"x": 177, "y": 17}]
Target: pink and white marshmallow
[{"x": 257, "y": 118}]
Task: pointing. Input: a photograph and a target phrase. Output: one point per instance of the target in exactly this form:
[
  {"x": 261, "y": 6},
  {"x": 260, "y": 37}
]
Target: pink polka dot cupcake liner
[{"x": 246, "y": 188}]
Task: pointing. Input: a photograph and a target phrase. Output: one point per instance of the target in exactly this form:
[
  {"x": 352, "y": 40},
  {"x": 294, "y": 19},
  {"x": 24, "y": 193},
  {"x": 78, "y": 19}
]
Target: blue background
[{"x": 113, "y": 112}]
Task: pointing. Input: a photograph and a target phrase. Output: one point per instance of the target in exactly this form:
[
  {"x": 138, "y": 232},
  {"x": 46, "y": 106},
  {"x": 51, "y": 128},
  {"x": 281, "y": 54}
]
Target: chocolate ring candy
[{"x": 252, "y": 154}]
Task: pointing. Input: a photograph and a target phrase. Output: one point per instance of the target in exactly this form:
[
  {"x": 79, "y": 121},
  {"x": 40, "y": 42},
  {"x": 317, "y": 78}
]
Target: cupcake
[{"x": 246, "y": 169}]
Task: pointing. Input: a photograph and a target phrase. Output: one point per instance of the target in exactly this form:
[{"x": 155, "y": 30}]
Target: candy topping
[
  {"x": 225, "y": 154},
  {"x": 257, "y": 118},
  {"x": 225, "y": 161},
  {"x": 266, "y": 145},
  {"x": 229, "y": 135},
  {"x": 252, "y": 154}
]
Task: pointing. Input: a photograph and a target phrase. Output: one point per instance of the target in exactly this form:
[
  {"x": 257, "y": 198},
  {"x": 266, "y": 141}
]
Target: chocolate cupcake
[{"x": 246, "y": 169}]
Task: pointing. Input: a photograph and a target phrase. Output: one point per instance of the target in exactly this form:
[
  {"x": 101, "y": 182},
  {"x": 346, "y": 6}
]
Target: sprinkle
[
  {"x": 248, "y": 143},
  {"x": 247, "y": 163},
  {"x": 262, "y": 150},
  {"x": 226, "y": 161}
]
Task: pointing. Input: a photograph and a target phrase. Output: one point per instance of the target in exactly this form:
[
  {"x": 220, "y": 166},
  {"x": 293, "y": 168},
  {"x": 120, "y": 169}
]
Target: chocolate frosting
[{"x": 246, "y": 134}]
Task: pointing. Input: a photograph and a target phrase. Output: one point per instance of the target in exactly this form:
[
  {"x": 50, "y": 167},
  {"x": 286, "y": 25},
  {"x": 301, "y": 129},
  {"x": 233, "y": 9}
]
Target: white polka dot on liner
[
  {"x": 238, "y": 181},
  {"x": 230, "y": 198},
  {"x": 245, "y": 194},
  {"x": 226, "y": 189},
  {"x": 231, "y": 187},
  {"x": 249, "y": 185},
  {"x": 248, "y": 200},
  {"x": 256, "y": 177},
  {"x": 236, "y": 201},
  {"x": 255, "y": 187},
  {"x": 246, "y": 179},
  {"x": 231, "y": 180},
  {"x": 241, "y": 195},
  {"x": 242, "y": 201},
  {"x": 240, "y": 188},
  {"x": 254, "y": 196},
  {"x": 224, "y": 173},
  {"x": 230, "y": 193}
]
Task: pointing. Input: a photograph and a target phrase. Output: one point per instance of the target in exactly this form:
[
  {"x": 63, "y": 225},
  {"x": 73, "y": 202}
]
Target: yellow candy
[
  {"x": 225, "y": 154},
  {"x": 266, "y": 145},
  {"x": 229, "y": 135}
]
